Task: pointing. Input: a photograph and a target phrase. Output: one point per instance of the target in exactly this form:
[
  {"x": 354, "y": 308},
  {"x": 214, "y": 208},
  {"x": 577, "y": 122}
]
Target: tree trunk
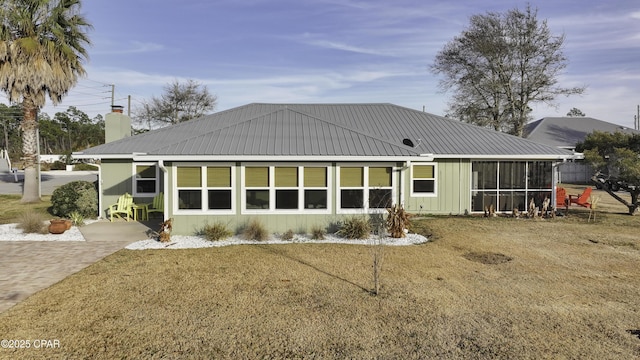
[
  {"x": 633, "y": 207},
  {"x": 31, "y": 186}
]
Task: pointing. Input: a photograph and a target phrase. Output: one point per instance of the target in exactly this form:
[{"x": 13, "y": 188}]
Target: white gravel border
[
  {"x": 192, "y": 242},
  {"x": 10, "y": 232}
]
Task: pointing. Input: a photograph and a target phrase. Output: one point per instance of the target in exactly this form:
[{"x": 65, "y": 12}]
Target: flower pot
[
  {"x": 57, "y": 226},
  {"x": 68, "y": 224}
]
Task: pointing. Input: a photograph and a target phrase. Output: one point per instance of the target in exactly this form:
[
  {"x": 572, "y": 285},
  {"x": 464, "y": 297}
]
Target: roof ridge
[
  {"x": 286, "y": 108},
  {"x": 356, "y": 131}
]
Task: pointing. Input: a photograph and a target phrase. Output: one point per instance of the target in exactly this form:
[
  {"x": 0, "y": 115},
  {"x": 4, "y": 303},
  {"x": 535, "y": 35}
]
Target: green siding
[
  {"x": 116, "y": 180},
  {"x": 453, "y": 194}
]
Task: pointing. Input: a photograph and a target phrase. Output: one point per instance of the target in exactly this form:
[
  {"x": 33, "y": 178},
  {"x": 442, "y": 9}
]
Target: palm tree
[{"x": 42, "y": 48}]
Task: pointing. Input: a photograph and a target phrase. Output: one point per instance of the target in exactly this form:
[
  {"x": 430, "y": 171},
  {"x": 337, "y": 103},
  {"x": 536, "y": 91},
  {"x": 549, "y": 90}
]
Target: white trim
[
  {"x": 204, "y": 189},
  {"x": 301, "y": 210},
  {"x": 435, "y": 179},
  {"x": 365, "y": 187},
  {"x": 514, "y": 157},
  {"x": 270, "y": 158},
  {"x": 134, "y": 185},
  {"x": 324, "y": 158}
]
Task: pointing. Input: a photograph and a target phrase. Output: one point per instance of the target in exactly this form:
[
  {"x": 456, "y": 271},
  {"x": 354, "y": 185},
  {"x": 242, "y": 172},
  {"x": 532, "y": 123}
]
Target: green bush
[
  {"x": 215, "y": 232},
  {"x": 318, "y": 232},
  {"x": 58, "y": 165},
  {"x": 356, "y": 227},
  {"x": 76, "y": 196},
  {"x": 32, "y": 222},
  {"x": 255, "y": 231},
  {"x": 84, "y": 167}
]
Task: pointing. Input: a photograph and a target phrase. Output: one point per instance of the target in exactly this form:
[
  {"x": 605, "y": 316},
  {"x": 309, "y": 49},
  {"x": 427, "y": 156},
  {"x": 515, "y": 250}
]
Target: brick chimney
[{"x": 116, "y": 124}]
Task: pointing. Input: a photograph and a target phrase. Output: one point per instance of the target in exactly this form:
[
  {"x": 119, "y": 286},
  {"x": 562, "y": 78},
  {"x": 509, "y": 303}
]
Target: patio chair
[
  {"x": 561, "y": 198},
  {"x": 124, "y": 206},
  {"x": 582, "y": 199},
  {"x": 157, "y": 206}
]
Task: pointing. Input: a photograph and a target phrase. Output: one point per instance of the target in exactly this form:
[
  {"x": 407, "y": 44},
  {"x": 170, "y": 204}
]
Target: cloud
[{"x": 130, "y": 47}]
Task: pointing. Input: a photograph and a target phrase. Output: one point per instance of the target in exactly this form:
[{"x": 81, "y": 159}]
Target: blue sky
[{"x": 338, "y": 51}]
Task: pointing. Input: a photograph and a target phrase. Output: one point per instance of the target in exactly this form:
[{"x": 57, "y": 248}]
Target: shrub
[
  {"x": 78, "y": 196},
  {"x": 255, "y": 231},
  {"x": 318, "y": 232},
  {"x": 397, "y": 221},
  {"x": 32, "y": 222},
  {"x": 215, "y": 232},
  {"x": 288, "y": 235},
  {"x": 84, "y": 167},
  {"x": 76, "y": 218},
  {"x": 58, "y": 165},
  {"x": 355, "y": 228}
]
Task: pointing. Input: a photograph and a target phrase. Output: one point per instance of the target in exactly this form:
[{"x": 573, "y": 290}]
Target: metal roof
[
  {"x": 329, "y": 130},
  {"x": 566, "y": 132}
]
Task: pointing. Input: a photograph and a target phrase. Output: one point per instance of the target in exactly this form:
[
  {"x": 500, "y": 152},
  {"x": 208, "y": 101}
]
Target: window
[
  {"x": 257, "y": 187},
  {"x": 423, "y": 179},
  {"x": 365, "y": 187},
  {"x": 145, "y": 180},
  {"x": 285, "y": 188},
  {"x": 315, "y": 188},
  {"x": 204, "y": 188}
]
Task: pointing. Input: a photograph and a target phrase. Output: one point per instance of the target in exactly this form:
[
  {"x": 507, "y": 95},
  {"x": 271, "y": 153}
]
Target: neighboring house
[
  {"x": 565, "y": 133},
  {"x": 295, "y": 166}
]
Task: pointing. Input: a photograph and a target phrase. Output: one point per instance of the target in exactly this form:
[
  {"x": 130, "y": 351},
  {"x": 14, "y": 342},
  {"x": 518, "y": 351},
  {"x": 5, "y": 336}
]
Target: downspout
[
  {"x": 99, "y": 189},
  {"x": 165, "y": 187}
]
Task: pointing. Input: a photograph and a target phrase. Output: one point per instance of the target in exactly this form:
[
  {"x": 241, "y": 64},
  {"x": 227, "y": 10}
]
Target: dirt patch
[{"x": 489, "y": 258}]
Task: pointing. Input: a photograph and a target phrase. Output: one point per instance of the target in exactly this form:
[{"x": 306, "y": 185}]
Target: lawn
[
  {"x": 12, "y": 208},
  {"x": 482, "y": 288}
]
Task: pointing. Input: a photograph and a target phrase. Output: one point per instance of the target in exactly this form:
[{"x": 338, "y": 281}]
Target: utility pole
[
  {"x": 113, "y": 94},
  {"x": 129, "y": 106}
]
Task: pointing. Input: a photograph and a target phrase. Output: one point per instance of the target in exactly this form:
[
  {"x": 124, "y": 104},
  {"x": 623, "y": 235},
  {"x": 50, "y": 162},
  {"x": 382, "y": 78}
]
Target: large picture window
[
  {"x": 508, "y": 185},
  {"x": 285, "y": 188},
  {"x": 365, "y": 187},
  {"x": 145, "y": 180},
  {"x": 204, "y": 188},
  {"x": 423, "y": 179}
]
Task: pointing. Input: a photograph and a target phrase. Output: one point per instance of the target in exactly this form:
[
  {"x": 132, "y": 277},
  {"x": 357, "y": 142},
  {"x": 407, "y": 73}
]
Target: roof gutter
[
  {"x": 165, "y": 189},
  {"x": 81, "y": 155},
  {"x": 421, "y": 157},
  {"x": 575, "y": 156}
]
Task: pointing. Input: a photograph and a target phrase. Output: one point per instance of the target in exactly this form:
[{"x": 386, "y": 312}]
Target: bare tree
[
  {"x": 180, "y": 102},
  {"x": 500, "y": 65}
]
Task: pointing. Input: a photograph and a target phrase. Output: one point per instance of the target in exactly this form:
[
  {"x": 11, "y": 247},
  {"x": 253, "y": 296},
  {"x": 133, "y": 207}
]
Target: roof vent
[{"x": 408, "y": 142}]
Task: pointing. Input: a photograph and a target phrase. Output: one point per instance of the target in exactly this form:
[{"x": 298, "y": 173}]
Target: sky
[{"x": 338, "y": 51}]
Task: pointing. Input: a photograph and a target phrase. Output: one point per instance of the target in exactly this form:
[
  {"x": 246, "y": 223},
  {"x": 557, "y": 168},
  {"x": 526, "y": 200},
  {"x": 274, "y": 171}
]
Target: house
[
  {"x": 294, "y": 166},
  {"x": 565, "y": 133}
]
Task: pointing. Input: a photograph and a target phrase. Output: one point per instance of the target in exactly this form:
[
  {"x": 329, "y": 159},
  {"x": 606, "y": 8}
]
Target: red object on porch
[
  {"x": 582, "y": 199},
  {"x": 561, "y": 198}
]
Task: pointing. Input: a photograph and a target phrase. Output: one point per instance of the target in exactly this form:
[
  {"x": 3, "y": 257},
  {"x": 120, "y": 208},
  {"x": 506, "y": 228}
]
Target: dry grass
[
  {"x": 11, "y": 208},
  {"x": 569, "y": 290}
]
